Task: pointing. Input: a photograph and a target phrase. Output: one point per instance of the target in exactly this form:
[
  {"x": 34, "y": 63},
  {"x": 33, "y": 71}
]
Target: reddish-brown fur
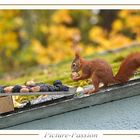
[
  {"x": 101, "y": 72},
  {"x": 129, "y": 65}
]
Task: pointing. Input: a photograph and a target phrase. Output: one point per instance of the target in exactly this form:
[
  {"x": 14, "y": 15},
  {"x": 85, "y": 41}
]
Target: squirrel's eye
[{"x": 73, "y": 64}]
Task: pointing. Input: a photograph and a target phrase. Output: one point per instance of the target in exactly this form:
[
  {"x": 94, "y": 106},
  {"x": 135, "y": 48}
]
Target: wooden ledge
[{"x": 112, "y": 93}]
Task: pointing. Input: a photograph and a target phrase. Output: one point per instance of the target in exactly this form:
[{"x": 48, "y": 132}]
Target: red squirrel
[{"x": 100, "y": 71}]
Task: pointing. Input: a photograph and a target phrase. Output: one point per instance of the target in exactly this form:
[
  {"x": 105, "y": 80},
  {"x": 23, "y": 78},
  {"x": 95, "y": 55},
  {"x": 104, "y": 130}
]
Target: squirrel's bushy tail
[{"x": 128, "y": 67}]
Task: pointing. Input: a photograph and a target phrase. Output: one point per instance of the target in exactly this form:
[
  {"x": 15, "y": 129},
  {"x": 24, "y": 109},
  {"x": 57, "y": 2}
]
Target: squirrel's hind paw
[{"x": 92, "y": 91}]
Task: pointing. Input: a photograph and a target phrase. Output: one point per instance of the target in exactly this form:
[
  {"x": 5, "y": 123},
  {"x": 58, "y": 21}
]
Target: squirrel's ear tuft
[{"x": 77, "y": 55}]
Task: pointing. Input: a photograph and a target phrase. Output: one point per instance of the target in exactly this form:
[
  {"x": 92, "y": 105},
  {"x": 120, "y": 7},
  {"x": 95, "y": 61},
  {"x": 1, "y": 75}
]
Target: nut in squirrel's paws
[{"x": 74, "y": 75}]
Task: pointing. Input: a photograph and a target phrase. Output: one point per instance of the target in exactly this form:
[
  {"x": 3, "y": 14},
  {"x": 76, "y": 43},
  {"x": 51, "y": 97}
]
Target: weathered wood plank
[{"x": 71, "y": 90}]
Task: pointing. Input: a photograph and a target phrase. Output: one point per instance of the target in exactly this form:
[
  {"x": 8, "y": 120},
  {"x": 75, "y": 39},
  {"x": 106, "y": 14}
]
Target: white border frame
[
  {"x": 71, "y": 6},
  {"x": 69, "y": 2}
]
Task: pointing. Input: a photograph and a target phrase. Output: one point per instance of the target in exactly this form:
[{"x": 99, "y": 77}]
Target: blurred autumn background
[{"x": 37, "y": 44}]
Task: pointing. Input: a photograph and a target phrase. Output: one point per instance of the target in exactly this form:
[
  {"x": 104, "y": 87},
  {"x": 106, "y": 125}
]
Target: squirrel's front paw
[{"x": 75, "y": 76}]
